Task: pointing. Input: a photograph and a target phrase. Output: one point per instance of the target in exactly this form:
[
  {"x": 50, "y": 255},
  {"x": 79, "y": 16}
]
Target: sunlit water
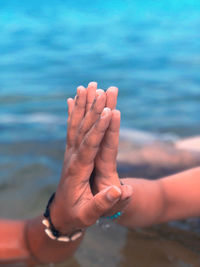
[{"x": 149, "y": 49}]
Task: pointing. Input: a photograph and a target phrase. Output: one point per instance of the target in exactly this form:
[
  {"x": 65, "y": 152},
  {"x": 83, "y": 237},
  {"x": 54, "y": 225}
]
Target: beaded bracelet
[
  {"x": 114, "y": 216},
  {"x": 52, "y": 232}
]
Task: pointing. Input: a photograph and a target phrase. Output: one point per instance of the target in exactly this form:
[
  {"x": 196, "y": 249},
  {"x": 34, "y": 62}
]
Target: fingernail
[
  {"x": 113, "y": 88},
  {"x": 93, "y": 84},
  {"x": 100, "y": 92},
  {"x": 80, "y": 89},
  {"x": 113, "y": 193},
  {"x": 105, "y": 112},
  {"x": 69, "y": 99}
]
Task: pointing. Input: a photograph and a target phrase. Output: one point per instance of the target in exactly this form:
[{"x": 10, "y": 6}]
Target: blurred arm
[
  {"x": 20, "y": 243},
  {"x": 170, "y": 198}
]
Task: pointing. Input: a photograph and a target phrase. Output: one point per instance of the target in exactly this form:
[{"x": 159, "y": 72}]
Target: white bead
[
  {"x": 46, "y": 223},
  {"x": 76, "y": 235},
  {"x": 63, "y": 239},
  {"x": 49, "y": 233}
]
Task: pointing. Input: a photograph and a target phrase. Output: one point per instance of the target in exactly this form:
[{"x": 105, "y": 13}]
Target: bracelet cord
[
  {"x": 46, "y": 214},
  {"x": 52, "y": 232}
]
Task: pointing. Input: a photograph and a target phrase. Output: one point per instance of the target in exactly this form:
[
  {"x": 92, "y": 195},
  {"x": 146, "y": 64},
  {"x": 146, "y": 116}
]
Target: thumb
[
  {"x": 102, "y": 203},
  {"x": 126, "y": 196}
]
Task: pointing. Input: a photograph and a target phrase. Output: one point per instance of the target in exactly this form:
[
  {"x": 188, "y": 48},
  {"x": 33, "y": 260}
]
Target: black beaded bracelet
[
  {"x": 52, "y": 232},
  {"x": 46, "y": 214}
]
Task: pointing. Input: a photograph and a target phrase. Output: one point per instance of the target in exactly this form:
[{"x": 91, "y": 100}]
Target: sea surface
[{"x": 149, "y": 49}]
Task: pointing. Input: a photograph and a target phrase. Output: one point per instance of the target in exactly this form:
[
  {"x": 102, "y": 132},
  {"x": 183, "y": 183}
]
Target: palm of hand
[
  {"x": 105, "y": 171},
  {"x": 75, "y": 206},
  {"x": 105, "y": 160},
  {"x": 105, "y": 175}
]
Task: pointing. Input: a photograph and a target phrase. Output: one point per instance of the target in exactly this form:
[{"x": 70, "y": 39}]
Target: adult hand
[
  {"x": 75, "y": 207},
  {"x": 105, "y": 171}
]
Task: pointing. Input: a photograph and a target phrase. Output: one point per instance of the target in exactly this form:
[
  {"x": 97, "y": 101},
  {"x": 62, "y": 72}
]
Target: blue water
[{"x": 149, "y": 49}]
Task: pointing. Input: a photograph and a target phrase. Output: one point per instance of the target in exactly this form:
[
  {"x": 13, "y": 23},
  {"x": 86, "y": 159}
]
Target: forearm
[
  {"x": 146, "y": 205},
  {"x": 182, "y": 195},
  {"x": 26, "y": 241},
  {"x": 170, "y": 198},
  {"x": 12, "y": 242}
]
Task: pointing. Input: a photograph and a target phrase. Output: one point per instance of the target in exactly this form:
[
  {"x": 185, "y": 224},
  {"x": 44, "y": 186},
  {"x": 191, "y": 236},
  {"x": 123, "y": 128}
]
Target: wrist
[
  {"x": 62, "y": 221},
  {"x": 58, "y": 234}
]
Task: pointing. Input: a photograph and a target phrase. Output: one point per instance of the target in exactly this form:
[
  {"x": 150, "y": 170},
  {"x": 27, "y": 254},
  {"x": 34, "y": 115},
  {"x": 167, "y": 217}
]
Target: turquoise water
[{"x": 149, "y": 49}]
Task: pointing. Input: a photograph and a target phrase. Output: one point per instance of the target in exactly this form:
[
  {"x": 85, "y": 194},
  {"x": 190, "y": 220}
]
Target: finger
[
  {"x": 70, "y": 102},
  {"x": 91, "y": 92},
  {"x": 126, "y": 194},
  {"x": 77, "y": 115},
  {"x": 92, "y": 116},
  {"x": 111, "y": 96},
  {"x": 91, "y": 142},
  {"x": 109, "y": 147},
  {"x": 99, "y": 92},
  {"x": 101, "y": 203}
]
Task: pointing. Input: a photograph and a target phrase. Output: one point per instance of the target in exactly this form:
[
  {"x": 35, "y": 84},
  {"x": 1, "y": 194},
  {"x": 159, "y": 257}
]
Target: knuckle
[
  {"x": 72, "y": 125},
  {"x": 72, "y": 168},
  {"x": 113, "y": 130},
  {"x": 100, "y": 128},
  {"x": 70, "y": 139},
  {"x": 103, "y": 160},
  {"x": 85, "y": 125},
  {"x": 91, "y": 143},
  {"x": 109, "y": 146},
  {"x": 81, "y": 131},
  {"x": 96, "y": 111},
  {"x": 82, "y": 160},
  {"x": 79, "y": 104}
]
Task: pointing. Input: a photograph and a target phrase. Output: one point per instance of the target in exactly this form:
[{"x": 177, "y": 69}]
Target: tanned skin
[
  {"x": 152, "y": 202},
  {"x": 170, "y": 198},
  {"x": 92, "y": 143},
  {"x": 75, "y": 205}
]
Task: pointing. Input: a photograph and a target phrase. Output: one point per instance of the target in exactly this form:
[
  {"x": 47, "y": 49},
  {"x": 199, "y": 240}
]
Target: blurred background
[{"x": 149, "y": 49}]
